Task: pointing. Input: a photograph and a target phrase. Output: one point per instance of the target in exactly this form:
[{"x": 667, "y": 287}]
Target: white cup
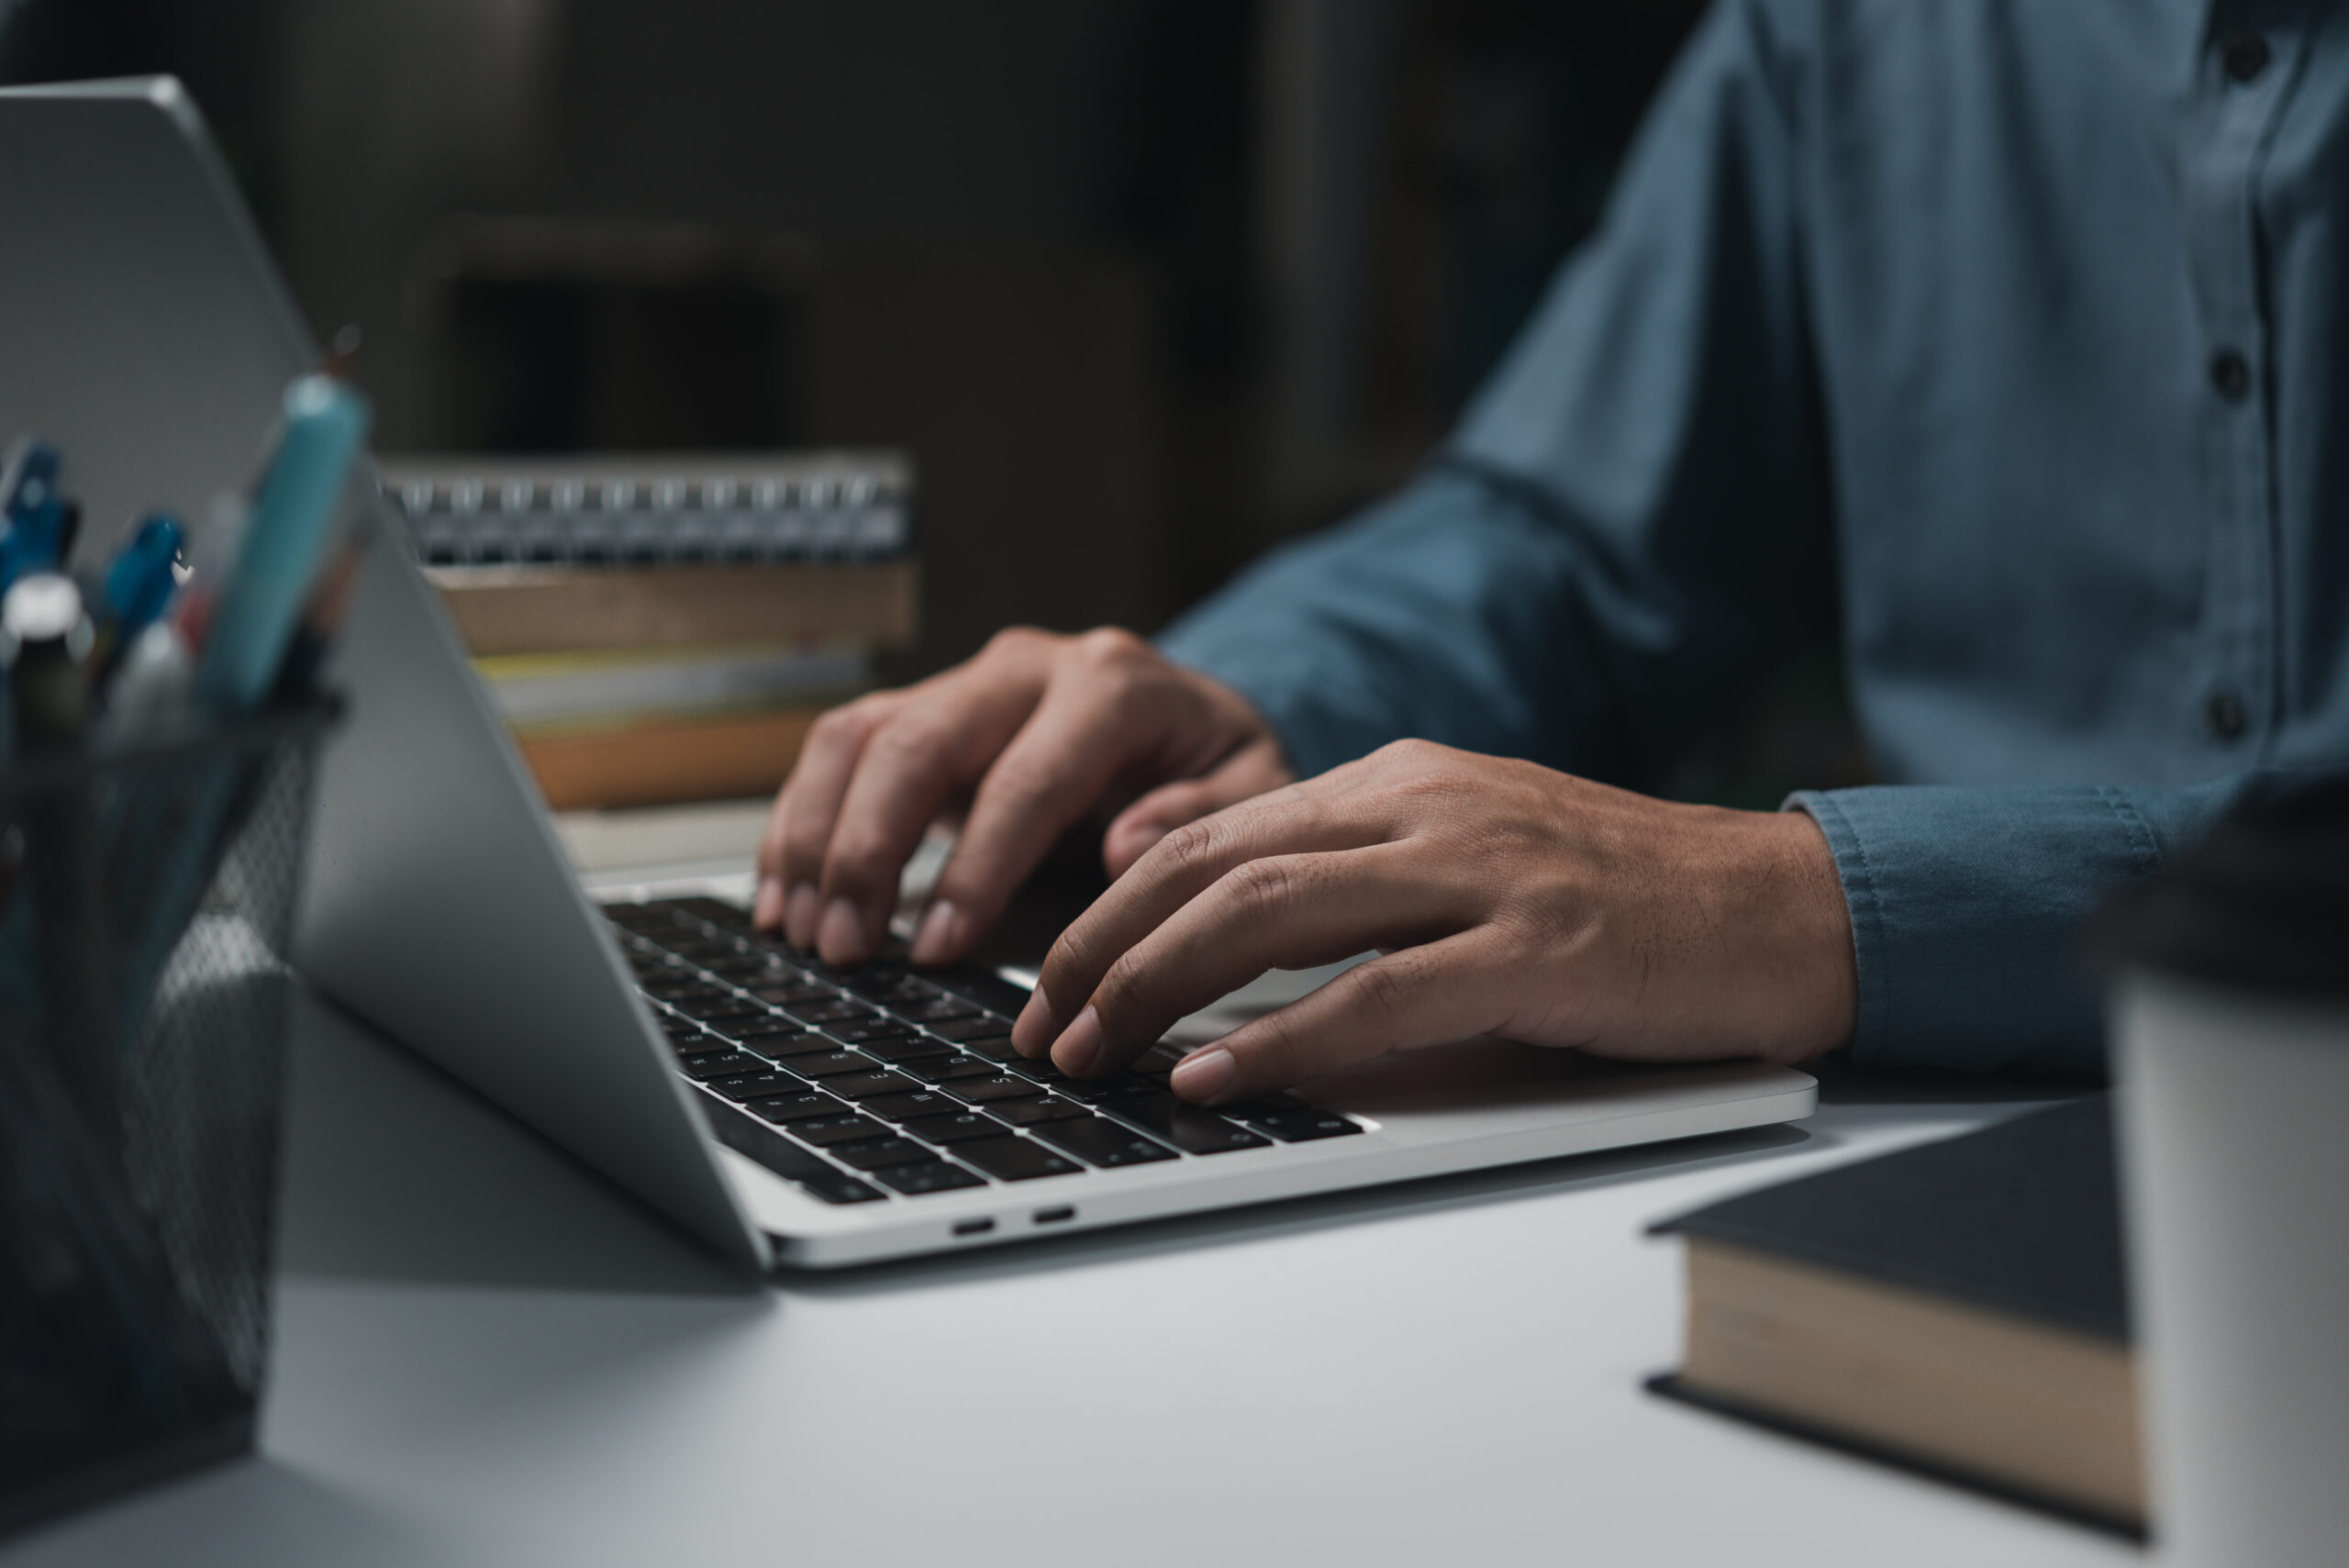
[{"x": 2234, "y": 1145}]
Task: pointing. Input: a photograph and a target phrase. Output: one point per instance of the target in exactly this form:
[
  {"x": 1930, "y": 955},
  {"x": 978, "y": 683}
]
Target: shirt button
[
  {"x": 2242, "y": 55},
  {"x": 2222, "y": 714},
  {"x": 2231, "y": 374}
]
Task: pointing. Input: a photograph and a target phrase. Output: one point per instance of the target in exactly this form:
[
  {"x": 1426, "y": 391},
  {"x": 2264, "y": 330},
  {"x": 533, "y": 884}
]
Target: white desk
[{"x": 486, "y": 1356}]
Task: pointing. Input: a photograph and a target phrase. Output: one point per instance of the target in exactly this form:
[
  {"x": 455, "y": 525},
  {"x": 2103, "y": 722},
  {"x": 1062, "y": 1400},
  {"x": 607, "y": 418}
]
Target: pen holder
[{"x": 145, "y": 898}]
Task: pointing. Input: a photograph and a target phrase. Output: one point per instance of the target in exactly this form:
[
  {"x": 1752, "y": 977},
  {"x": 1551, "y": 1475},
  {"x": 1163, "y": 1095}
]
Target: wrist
[{"x": 1806, "y": 931}]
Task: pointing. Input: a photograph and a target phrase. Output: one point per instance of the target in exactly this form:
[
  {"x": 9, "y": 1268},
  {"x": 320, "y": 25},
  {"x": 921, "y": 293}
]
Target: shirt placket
[{"x": 2247, "y": 56}]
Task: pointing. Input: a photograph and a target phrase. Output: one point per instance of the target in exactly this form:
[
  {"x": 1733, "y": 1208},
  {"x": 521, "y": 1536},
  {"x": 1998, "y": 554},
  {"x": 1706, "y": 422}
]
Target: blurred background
[{"x": 1141, "y": 286}]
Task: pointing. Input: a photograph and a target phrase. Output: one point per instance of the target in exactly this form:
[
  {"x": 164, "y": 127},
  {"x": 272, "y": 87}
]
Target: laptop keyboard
[{"x": 882, "y": 1081}]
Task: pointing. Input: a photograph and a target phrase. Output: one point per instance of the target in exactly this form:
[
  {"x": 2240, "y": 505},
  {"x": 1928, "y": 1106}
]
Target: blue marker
[
  {"x": 32, "y": 514},
  {"x": 293, "y": 513},
  {"x": 139, "y": 581}
]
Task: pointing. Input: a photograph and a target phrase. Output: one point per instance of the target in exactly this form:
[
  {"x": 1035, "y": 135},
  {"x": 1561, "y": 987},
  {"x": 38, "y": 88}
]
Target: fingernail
[
  {"x": 1202, "y": 1076},
  {"x": 1075, "y": 1051},
  {"x": 800, "y": 912},
  {"x": 940, "y": 934},
  {"x": 1032, "y": 1032},
  {"x": 841, "y": 939},
  {"x": 766, "y": 910}
]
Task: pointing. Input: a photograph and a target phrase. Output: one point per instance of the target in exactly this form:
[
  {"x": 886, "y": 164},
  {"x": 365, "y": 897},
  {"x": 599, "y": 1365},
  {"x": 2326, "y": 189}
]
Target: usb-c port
[
  {"x": 1055, "y": 1216},
  {"x": 973, "y": 1227}
]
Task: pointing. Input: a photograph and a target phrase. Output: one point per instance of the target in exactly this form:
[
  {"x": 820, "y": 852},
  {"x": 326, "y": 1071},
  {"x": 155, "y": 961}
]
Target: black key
[
  {"x": 859, "y": 1086},
  {"x": 984, "y": 1026},
  {"x": 719, "y": 1011},
  {"x": 856, "y": 1031},
  {"x": 700, "y": 948},
  {"x": 716, "y": 911},
  {"x": 794, "y": 993},
  {"x": 697, "y": 1044},
  {"x": 1027, "y": 1113},
  {"x": 1016, "y": 1159},
  {"x": 1302, "y": 1126},
  {"x": 906, "y": 1107},
  {"x": 995, "y": 1048},
  {"x": 1099, "y": 1142},
  {"x": 987, "y": 1091},
  {"x": 841, "y": 1189},
  {"x": 935, "y": 1010},
  {"x": 952, "y": 1070},
  {"x": 1101, "y": 1091},
  {"x": 872, "y": 1153},
  {"x": 686, "y": 988},
  {"x": 1039, "y": 1068},
  {"x": 937, "y": 1176},
  {"x": 846, "y": 1128},
  {"x": 1262, "y": 1105},
  {"x": 1188, "y": 1127},
  {"x": 831, "y": 1064},
  {"x": 743, "y": 969},
  {"x": 711, "y": 1064},
  {"x": 986, "y": 987},
  {"x": 797, "y": 1107},
  {"x": 910, "y": 1049},
  {"x": 829, "y": 1012},
  {"x": 756, "y": 1085},
  {"x": 788, "y": 1042},
  {"x": 942, "y": 1130},
  {"x": 884, "y": 983},
  {"x": 1158, "y": 1059}
]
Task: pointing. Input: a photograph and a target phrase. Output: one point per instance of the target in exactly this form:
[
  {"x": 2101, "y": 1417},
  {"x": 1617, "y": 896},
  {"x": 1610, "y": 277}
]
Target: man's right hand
[{"x": 1034, "y": 732}]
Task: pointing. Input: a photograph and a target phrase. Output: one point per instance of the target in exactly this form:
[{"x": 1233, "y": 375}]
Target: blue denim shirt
[{"x": 2007, "y": 331}]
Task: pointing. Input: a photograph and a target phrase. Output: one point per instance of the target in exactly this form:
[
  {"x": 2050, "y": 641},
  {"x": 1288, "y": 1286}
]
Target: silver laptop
[{"x": 783, "y": 1113}]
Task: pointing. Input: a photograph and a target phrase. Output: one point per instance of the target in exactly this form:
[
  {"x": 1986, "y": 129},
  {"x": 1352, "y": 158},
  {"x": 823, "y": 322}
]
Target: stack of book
[{"x": 657, "y": 629}]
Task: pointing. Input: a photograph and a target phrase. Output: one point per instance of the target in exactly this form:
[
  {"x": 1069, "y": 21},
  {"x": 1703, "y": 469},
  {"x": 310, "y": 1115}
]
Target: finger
[
  {"x": 791, "y": 857},
  {"x": 936, "y": 745},
  {"x": 1082, "y": 734},
  {"x": 1279, "y": 912},
  {"x": 1424, "y": 995},
  {"x": 1294, "y": 820},
  {"x": 1251, "y": 771}
]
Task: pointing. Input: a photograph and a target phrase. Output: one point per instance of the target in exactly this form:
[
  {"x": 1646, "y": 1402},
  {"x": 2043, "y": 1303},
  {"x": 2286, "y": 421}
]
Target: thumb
[{"x": 1250, "y": 771}]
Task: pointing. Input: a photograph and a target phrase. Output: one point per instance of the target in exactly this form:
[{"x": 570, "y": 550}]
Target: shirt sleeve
[
  {"x": 1968, "y": 904},
  {"x": 1630, "y": 524}
]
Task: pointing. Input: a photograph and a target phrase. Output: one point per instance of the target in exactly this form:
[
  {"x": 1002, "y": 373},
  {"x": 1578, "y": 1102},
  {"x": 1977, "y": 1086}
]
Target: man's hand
[
  {"x": 1505, "y": 899},
  {"x": 1033, "y": 733}
]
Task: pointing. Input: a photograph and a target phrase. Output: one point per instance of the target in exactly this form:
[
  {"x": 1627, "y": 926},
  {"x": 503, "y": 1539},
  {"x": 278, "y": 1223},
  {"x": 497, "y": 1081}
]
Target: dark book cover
[{"x": 2023, "y": 1218}]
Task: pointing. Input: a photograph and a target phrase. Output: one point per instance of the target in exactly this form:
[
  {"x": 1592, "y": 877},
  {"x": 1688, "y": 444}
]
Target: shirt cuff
[{"x": 1967, "y": 907}]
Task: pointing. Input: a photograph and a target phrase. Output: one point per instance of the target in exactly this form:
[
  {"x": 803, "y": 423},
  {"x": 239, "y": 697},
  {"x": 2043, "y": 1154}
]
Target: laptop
[{"x": 784, "y": 1113}]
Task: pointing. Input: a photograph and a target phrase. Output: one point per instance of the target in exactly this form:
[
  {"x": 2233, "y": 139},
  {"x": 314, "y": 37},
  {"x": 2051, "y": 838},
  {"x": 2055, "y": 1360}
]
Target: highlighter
[{"x": 292, "y": 513}]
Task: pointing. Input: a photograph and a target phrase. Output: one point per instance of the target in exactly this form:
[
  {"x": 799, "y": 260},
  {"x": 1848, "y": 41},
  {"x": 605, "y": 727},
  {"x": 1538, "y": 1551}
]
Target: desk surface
[{"x": 487, "y": 1356}]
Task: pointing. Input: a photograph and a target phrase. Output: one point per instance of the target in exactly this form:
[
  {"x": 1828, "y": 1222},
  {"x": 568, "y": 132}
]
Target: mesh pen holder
[{"x": 146, "y": 896}]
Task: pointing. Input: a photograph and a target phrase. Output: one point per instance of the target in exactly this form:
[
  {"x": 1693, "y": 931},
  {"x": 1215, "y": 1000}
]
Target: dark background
[{"x": 1144, "y": 285}]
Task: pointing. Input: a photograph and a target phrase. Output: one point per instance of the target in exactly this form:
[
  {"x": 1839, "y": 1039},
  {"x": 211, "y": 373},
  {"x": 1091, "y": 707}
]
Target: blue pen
[
  {"x": 139, "y": 581},
  {"x": 291, "y": 515}
]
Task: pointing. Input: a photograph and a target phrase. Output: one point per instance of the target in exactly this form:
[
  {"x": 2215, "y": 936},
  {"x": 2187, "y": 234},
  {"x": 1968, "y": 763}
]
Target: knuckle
[
  {"x": 907, "y": 743},
  {"x": 1387, "y": 985},
  {"x": 1192, "y": 845},
  {"x": 1014, "y": 642},
  {"x": 1261, "y": 890}
]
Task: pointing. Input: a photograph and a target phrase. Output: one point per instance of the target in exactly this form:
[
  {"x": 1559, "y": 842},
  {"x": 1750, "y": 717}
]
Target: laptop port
[
  {"x": 979, "y": 1227},
  {"x": 1055, "y": 1216}
]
